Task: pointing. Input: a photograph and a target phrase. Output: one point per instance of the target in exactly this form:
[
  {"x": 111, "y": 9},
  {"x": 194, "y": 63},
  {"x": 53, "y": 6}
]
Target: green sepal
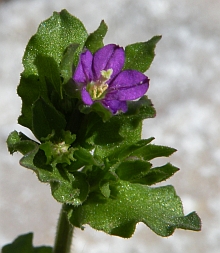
[
  {"x": 95, "y": 39},
  {"x": 58, "y": 150},
  {"x": 46, "y": 119},
  {"x": 57, "y": 153},
  {"x": 23, "y": 244},
  {"x": 139, "y": 56},
  {"x": 159, "y": 208}
]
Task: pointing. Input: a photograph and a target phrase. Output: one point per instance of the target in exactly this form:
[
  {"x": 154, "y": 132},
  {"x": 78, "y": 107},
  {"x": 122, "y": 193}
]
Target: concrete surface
[{"x": 185, "y": 89}]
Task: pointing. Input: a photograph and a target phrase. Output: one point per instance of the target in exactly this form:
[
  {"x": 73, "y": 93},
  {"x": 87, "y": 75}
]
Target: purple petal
[
  {"x": 86, "y": 98},
  {"x": 83, "y": 72},
  {"x": 128, "y": 85},
  {"x": 132, "y": 93},
  {"x": 108, "y": 57},
  {"x": 115, "y": 105}
]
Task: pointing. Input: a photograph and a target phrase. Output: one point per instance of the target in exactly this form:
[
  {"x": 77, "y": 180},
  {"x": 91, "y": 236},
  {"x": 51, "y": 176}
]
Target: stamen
[{"x": 97, "y": 90}]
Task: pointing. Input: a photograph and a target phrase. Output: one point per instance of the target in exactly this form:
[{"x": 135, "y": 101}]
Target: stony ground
[{"x": 185, "y": 89}]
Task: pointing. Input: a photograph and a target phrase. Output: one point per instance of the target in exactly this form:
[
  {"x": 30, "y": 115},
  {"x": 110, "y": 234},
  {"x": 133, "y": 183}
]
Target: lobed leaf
[
  {"x": 68, "y": 188},
  {"x": 19, "y": 142},
  {"x": 159, "y": 208},
  {"x": 23, "y": 244},
  {"x": 42, "y": 59}
]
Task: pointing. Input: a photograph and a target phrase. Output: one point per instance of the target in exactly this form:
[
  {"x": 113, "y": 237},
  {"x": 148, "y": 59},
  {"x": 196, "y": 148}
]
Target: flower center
[{"x": 97, "y": 90}]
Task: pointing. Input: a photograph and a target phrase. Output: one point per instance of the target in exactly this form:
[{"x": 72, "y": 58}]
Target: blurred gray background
[{"x": 184, "y": 88}]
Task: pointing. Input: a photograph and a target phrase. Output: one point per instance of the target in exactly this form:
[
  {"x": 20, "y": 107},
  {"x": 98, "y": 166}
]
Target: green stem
[{"x": 64, "y": 233}]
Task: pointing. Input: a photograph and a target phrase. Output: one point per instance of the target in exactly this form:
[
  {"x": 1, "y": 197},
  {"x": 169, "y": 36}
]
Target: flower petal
[
  {"x": 83, "y": 72},
  {"x": 128, "y": 85},
  {"x": 115, "y": 105},
  {"x": 108, "y": 57},
  {"x": 86, "y": 98}
]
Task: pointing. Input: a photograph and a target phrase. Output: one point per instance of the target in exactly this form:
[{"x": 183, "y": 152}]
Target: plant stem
[{"x": 64, "y": 233}]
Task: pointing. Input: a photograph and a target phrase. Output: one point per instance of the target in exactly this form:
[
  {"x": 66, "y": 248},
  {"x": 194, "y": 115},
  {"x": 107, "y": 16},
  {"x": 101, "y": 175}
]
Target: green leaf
[
  {"x": 190, "y": 222},
  {"x": 23, "y": 244},
  {"x": 158, "y": 174},
  {"x": 66, "y": 65},
  {"x": 159, "y": 208},
  {"x": 19, "y": 142},
  {"x": 110, "y": 137},
  {"x": 117, "y": 133},
  {"x": 103, "y": 133},
  {"x": 46, "y": 119},
  {"x": 132, "y": 170},
  {"x": 120, "y": 130},
  {"x": 141, "y": 109},
  {"x": 105, "y": 188},
  {"x": 95, "y": 39},
  {"x": 98, "y": 108},
  {"x": 152, "y": 151},
  {"x": 48, "y": 72},
  {"x": 29, "y": 90},
  {"x": 139, "y": 56},
  {"x": 53, "y": 36},
  {"x": 43, "y": 56},
  {"x": 68, "y": 188},
  {"x": 125, "y": 152},
  {"x": 83, "y": 157}
]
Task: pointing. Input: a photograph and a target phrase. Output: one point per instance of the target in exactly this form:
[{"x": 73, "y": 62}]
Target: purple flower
[{"x": 100, "y": 79}]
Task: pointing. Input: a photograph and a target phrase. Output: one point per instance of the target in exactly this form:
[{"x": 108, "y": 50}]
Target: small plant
[{"x": 85, "y": 103}]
